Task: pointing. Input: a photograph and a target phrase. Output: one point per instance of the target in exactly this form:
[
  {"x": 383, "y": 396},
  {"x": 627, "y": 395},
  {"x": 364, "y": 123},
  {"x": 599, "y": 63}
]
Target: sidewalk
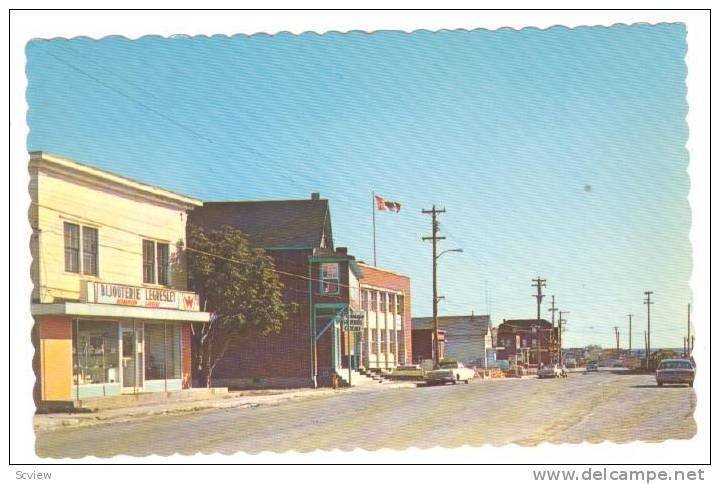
[{"x": 239, "y": 399}]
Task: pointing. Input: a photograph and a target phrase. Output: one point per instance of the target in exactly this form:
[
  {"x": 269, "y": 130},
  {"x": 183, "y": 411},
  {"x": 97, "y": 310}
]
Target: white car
[
  {"x": 450, "y": 372},
  {"x": 552, "y": 371}
]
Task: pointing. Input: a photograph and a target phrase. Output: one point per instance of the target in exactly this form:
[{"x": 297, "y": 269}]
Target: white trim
[{"x": 112, "y": 311}]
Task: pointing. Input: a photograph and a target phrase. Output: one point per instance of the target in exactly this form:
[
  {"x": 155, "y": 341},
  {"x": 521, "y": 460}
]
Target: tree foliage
[{"x": 238, "y": 284}]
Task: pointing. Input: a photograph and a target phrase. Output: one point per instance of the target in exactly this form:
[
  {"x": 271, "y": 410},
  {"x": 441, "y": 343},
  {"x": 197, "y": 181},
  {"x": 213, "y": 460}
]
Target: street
[{"x": 594, "y": 407}]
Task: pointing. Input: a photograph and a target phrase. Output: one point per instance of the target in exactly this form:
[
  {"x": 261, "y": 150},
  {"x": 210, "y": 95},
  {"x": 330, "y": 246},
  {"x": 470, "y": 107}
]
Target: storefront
[
  {"x": 119, "y": 339},
  {"x": 112, "y": 311}
]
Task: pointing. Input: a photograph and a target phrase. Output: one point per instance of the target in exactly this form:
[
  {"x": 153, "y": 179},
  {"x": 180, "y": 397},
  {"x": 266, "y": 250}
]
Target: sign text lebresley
[{"x": 106, "y": 293}]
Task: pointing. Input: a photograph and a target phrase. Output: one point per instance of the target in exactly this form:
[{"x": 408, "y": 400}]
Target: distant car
[
  {"x": 675, "y": 371},
  {"x": 571, "y": 362},
  {"x": 450, "y": 372},
  {"x": 592, "y": 366},
  {"x": 552, "y": 371}
]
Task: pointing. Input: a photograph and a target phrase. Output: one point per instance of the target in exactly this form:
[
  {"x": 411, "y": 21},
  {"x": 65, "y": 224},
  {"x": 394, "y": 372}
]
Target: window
[
  {"x": 365, "y": 300},
  {"x": 400, "y": 305},
  {"x": 163, "y": 258},
  {"x": 148, "y": 261},
  {"x": 383, "y": 302},
  {"x": 156, "y": 260},
  {"x": 90, "y": 251},
  {"x": 329, "y": 278},
  {"x": 95, "y": 348},
  {"x": 162, "y": 356},
  {"x": 373, "y": 301},
  {"x": 392, "y": 303},
  {"x": 81, "y": 259},
  {"x": 72, "y": 247}
]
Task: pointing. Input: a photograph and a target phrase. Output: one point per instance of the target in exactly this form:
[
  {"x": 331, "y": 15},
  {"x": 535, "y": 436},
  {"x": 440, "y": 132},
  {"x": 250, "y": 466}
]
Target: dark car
[
  {"x": 675, "y": 371},
  {"x": 592, "y": 366}
]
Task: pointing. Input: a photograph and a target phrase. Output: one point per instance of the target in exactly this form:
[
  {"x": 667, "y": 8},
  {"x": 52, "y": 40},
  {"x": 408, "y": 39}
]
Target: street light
[{"x": 436, "y": 299}]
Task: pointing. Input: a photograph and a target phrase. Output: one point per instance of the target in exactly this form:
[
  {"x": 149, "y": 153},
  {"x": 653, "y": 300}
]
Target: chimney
[
  {"x": 315, "y": 196},
  {"x": 341, "y": 250}
]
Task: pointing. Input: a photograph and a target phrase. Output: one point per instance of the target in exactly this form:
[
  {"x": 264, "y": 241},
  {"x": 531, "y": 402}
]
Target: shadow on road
[{"x": 662, "y": 387}]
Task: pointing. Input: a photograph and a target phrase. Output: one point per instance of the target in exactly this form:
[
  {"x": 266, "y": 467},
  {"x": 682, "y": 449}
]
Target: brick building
[
  {"x": 386, "y": 340},
  {"x": 423, "y": 344},
  {"x": 527, "y": 341}
]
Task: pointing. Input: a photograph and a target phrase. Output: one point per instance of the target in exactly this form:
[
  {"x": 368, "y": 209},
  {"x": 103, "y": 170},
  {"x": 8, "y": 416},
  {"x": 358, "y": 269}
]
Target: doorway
[{"x": 131, "y": 344}]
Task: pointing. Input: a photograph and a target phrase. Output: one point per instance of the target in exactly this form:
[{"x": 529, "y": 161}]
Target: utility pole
[
  {"x": 553, "y": 310},
  {"x": 647, "y": 363},
  {"x": 630, "y": 334},
  {"x": 539, "y": 284},
  {"x": 434, "y": 238},
  {"x": 648, "y": 303},
  {"x": 561, "y": 321},
  {"x": 617, "y": 340}
]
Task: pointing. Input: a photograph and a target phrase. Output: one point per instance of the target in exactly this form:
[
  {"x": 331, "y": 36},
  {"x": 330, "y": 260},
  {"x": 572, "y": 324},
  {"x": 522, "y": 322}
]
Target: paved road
[{"x": 594, "y": 407}]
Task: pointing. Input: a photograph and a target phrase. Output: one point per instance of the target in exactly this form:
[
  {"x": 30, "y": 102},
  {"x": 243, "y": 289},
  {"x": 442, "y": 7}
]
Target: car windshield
[
  {"x": 449, "y": 365},
  {"x": 665, "y": 365}
]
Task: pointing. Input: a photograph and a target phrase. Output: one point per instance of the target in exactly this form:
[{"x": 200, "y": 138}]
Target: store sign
[{"x": 147, "y": 297}]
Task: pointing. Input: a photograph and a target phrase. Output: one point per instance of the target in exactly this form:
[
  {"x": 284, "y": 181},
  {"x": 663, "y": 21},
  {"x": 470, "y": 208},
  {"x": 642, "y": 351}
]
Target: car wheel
[
  {"x": 660, "y": 384},
  {"x": 690, "y": 384},
  {"x": 467, "y": 382}
]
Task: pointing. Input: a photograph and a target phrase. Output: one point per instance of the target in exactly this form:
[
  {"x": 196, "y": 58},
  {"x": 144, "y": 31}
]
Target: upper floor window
[
  {"x": 329, "y": 278},
  {"x": 156, "y": 262},
  {"x": 391, "y": 297},
  {"x": 81, "y": 249},
  {"x": 366, "y": 300},
  {"x": 400, "y": 305},
  {"x": 383, "y": 302}
]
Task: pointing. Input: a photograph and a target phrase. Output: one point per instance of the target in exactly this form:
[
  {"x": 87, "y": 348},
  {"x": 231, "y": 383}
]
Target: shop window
[
  {"x": 72, "y": 247},
  {"x": 95, "y": 351},
  {"x": 330, "y": 278},
  {"x": 162, "y": 351}
]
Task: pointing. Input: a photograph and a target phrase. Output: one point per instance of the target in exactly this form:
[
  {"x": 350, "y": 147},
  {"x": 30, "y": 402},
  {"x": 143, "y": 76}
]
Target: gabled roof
[{"x": 275, "y": 224}]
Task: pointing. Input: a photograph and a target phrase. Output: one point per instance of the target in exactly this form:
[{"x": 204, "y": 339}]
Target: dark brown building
[
  {"x": 527, "y": 341},
  {"x": 423, "y": 341},
  {"x": 322, "y": 280}
]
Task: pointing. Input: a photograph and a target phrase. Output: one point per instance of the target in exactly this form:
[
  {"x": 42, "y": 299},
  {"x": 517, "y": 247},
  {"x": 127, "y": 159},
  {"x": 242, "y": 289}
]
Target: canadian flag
[{"x": 384, "y": 205}]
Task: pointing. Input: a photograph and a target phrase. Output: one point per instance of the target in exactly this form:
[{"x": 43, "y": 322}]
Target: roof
[
  {"x": 87, "y": 172},
  {"x": 445, "y": 322},
  {"x": 524, "y": 323},
  {"x": 274, "y": 224}
]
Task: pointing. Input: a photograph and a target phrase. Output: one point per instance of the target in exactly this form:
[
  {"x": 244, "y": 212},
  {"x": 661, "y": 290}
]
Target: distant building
[
  {"x": 468, "y": 338},
  {"x": 527, "y": 341},
  {"x": 423, "y": 343}
]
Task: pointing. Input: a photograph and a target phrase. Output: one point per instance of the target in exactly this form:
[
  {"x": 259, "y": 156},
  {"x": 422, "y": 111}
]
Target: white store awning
[{"x": 118, "y": 311}]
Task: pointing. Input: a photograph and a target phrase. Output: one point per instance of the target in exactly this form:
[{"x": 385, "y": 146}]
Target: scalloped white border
[{"x": 28, "y": 25}]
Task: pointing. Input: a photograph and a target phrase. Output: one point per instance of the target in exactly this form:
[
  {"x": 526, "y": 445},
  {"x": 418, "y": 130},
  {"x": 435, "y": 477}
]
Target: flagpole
[{"x": 374, "y": 246}]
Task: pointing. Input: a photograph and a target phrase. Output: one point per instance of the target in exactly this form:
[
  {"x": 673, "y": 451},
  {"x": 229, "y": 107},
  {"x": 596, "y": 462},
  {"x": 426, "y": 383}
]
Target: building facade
[
  {"x": 386, "y": 339},
  {"x": 423, "y": 345},
  {"x": 527, "y": 342},
  {"x": 468, "y": 338},
  {"x": 320, "y": 281},
  {"x": 110, "y": 301}
]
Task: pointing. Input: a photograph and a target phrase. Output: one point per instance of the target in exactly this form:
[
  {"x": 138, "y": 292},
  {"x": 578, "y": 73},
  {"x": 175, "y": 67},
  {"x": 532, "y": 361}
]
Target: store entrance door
[{"x": 133, "y": 369}]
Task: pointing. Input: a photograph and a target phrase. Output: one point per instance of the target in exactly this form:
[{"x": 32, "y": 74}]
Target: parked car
[
  {"x": 552, "y": 371},
  {"x": 675, "y": 371},
  {"x": 592, "y": 366},
  {"x": 504, "y": 365},
  {"x": 450, "y": 372},
  {"x": 571, "y": 362}
]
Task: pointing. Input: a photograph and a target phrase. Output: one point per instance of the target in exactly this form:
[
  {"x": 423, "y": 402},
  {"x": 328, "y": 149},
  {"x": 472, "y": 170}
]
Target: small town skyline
[{"x": 573, "y": 171}]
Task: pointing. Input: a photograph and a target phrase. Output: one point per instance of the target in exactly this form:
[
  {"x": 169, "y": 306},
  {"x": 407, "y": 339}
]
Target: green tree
[{"x": 238, "y": 284}]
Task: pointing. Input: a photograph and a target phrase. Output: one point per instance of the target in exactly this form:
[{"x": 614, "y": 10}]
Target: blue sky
[{"x": 556, "y": 152}]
